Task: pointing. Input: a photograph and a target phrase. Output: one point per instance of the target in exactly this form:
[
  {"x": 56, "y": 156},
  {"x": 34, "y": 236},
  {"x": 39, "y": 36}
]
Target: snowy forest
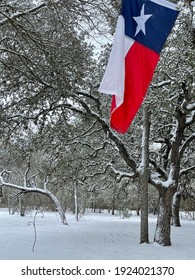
[{"x": 58, "y": 152}]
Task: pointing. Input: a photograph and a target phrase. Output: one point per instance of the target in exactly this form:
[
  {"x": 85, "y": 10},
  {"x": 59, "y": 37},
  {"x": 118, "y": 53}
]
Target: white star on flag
[{"x": 141, "y": 21}]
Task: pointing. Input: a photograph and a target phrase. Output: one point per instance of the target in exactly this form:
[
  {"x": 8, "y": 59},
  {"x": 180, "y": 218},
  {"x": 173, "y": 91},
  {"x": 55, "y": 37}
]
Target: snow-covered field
[{"x": 95, "y": 236}]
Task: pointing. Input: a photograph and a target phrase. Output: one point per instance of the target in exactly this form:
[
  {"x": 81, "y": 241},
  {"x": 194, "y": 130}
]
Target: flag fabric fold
[{"x": 141, "y": 32}]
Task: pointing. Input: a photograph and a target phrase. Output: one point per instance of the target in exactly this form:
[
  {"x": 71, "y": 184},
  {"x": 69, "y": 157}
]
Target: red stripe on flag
[{"x": 140, "y": 63}]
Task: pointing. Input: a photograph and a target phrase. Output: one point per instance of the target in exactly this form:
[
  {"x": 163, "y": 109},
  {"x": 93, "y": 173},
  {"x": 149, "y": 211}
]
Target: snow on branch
[
  {"x": 187, "y": 170},
  {"x": 45, "y": 191},
  {"x": 23, "y": 13},
  {"x": 118, "y": 173},
  {"x": 191, "y": 107},
  {"x": 96, "y": 150},
  {"x": 162, "y": 83},
  {"x": 121, "y": 174},
  {"x": 157, "y": 181},
  {"x": 86, "y": 110},
  {"x": 88, "y": 132},
  {"x": 186, "y": 143},
  {"x": 159, "y": 168},
  {"x": 97, "y": 173},
  {"x": 191, "y": 119},
  {"x": 30, "y": 67}
]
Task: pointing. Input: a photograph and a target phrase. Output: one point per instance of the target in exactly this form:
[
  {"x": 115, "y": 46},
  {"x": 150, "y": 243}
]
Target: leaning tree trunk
[
  {"x": 163, "y": 227},
  {"x": 175, "y": 209},
  {"x": 57, "y": 205}
]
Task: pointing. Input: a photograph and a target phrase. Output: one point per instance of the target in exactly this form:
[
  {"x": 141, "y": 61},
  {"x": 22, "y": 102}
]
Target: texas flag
[{"x": 141, "y": 31}]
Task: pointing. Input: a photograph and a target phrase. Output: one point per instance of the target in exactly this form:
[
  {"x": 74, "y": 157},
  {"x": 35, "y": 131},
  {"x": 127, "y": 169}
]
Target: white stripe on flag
[
  {"x": 113, "y": 79},
  {"x": 165, "y": 4}
]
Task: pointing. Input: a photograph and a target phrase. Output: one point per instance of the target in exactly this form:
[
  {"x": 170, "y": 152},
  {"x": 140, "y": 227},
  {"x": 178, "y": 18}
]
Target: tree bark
[
  {"x": 76, "y": 202},
  {"x": 175, "y": 209},
  {"x": 163, "y": 227},
  {"x": 22, "y": 207},
  {"x": 144, "y": 178},
  {"x": 144, "y": 234}
]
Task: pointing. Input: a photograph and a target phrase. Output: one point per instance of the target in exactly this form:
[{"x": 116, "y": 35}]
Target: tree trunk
[
  {"x": 144, "y": 235},
  {"x": 175, "y": 209},
  {"x": 22, "y": 207},
  {"x": 137, "y": 210},
  {"x": 113, "y": 206},
  {"x": 76, "y": 202},
  {"x": 163, "y": 227},
  {"x": 58, "y": 207},
  {"x": 144, "y": 178}
]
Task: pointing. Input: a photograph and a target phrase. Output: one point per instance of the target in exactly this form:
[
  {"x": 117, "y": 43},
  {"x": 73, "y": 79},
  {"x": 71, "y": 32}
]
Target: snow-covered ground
[{"x": 94, "y": 237}]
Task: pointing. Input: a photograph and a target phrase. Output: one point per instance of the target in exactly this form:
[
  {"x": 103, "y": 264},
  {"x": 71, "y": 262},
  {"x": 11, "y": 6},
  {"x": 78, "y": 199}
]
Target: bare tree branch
[{"x": 186, "y": 143}]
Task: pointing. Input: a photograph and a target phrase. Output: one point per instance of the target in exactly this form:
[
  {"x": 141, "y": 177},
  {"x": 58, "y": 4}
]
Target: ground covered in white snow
[{"x": 95, "y": 236}]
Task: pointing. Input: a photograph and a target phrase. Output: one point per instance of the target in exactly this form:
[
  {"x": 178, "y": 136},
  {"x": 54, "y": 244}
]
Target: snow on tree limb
[
  {"x": 187, "y": 170},
  {"x": 161, "y": 84},
  {"x": 159, "y": 183},
  {"x": 120, "y": 174},
  {"x": 44, "y": 191},
  {"x": 83, "y": 108},
  {"x": 191, "y": 119},
  {"x": 159, "y": 168},
  {"x": 186, "y": 143},
  {"x": 191, "y": 107},
  {"x": 20, "y": 14}
]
